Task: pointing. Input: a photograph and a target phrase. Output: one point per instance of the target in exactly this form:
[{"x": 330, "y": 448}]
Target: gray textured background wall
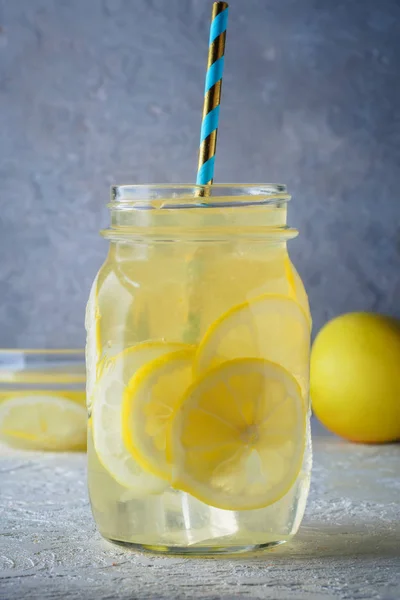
[{"x": 100, "y": 91}]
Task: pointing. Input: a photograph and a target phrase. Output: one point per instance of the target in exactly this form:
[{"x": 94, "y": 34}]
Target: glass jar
[
  {"x": 42, "y": 399},
  {"x": 198, "y": 332}
]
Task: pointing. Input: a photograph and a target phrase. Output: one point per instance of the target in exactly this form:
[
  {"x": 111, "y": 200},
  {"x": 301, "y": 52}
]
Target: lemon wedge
[
  {"x": 149, "y": 403},
  {"x": 107, "y": 416},
  {"x": 237, "y": 439},
  {"x": 271, "y": 327},
  {"x": 43, "y": 422}
]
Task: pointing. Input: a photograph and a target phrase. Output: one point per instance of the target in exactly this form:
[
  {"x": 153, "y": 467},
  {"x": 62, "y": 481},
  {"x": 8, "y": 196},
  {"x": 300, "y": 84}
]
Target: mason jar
[{"x": 198, "y": 334}]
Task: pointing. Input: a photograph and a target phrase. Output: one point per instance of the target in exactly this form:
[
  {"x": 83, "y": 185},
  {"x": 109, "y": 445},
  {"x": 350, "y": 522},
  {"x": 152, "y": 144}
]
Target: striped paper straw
[{"x": 212, "y": 94}]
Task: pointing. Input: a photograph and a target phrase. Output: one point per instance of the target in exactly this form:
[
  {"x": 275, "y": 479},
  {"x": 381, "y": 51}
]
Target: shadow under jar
[{"x": 198, "y": 334}]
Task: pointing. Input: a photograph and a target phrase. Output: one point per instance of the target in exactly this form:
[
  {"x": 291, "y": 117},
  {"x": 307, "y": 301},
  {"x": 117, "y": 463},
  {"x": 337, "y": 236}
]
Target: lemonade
[{"x": 198, "y": 331}]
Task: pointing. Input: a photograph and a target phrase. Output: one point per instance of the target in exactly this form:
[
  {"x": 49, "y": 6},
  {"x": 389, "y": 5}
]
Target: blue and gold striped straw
[{"x": 212, "y": 94}]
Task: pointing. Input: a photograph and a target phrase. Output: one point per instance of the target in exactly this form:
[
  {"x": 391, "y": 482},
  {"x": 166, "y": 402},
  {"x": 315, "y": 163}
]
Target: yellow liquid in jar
[{"x": 173, "y": 293}]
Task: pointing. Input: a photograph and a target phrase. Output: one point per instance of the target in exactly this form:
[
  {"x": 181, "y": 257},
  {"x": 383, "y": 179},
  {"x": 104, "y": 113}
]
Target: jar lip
[
  {"x": 151, "y": 210},
  {"x": 132, "y": 192}
]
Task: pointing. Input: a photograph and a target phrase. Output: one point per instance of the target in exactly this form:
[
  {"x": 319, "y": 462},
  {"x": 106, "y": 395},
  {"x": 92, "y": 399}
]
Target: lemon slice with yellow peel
[
  {"x": 149, "y": 402},
  {"x": 43, "y": 422},
  {"x": 271, "y": 327},
  {"x": 107, "y": 416},
  {"x": 237, "y": 438}
]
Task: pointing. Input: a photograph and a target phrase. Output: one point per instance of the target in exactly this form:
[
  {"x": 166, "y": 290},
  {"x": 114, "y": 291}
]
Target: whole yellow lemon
[{"x": 355, "y": 377}]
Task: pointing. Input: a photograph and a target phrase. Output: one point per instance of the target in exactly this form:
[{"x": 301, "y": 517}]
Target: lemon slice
[
  {"x": 93, "y": 342},
  {"x": 271, "y": 327},
  {"x": 149, "y": 403},
  {"x": 107, "y": 416},
  {"x": 43, "y": 422},
  {"x": 237, "y": 439}
]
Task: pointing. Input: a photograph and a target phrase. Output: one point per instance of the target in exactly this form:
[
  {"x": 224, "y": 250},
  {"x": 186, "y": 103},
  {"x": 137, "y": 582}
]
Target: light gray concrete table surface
[{"x": 348, "y": 546}]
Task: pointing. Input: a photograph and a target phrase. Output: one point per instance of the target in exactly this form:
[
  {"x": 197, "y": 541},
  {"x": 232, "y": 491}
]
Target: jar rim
[
  {"x": 151, "y": 210},
  {"x": 280, "y": 186},
  {"x": 42, "y": 366},
  {"x": 133, "y": 192}
]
